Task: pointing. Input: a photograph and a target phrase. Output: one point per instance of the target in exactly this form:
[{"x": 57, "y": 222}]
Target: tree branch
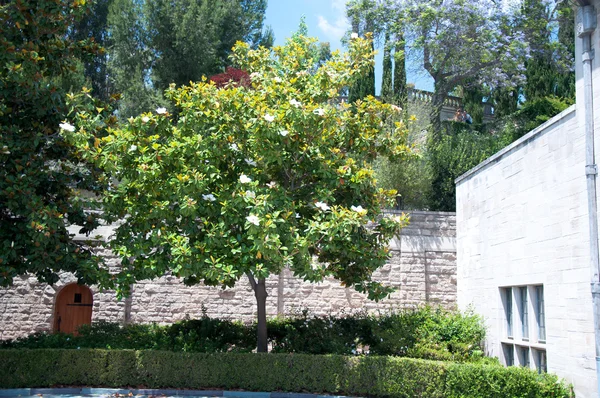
[{"x": 252, "y": 281}]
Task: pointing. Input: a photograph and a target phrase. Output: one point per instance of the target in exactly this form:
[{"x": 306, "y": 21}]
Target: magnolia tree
[{"x": 246, "y": 180}]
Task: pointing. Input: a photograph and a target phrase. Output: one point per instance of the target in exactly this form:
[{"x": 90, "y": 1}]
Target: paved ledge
[
  {"x": 518, "y": 143},
  {"x": 125, "y": 393}
]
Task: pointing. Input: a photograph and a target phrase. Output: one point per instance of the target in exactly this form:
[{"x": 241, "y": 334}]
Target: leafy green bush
[
  {"x": 460, "y": 146},
  {"x": 376, "y": 376},
  {"x": 425, "y": 332}
]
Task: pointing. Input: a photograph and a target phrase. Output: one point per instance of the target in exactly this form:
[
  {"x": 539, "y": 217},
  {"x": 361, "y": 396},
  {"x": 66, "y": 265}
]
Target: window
[
  {"x": 509, "y": 354},
  {"x": 524, "y": 356},
  {"x": 508, "y": 309},
  {"x": 524, "y": 313},
  {"x": 521, "y": 344},
  {"x": 540, "y": 361},
  {"x": 540, "y": 313}
]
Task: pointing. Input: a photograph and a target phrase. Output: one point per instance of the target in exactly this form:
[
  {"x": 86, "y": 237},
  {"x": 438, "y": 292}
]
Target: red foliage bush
[{"x": 232, "y": 76}]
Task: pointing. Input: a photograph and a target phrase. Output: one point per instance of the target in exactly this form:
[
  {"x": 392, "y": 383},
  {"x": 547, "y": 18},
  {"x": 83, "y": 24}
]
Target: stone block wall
[{"x": 422, "y": 268}]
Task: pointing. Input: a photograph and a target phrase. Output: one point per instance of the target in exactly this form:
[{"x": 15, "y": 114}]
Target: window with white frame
[
  {"x": 521, "y": 344},
  {"x": 524, "y": 312},
  {"x": 540, "y": 313},
  {"x": 524, "y": 356},
  {"x": 508, "y": 304},
  {"x": 540, "y": 361}
]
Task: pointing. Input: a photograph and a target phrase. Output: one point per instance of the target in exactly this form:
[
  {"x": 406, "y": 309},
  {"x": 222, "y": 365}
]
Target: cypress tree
[
  {"x": 387, "y": 89},
  {"x": 400, "y": 89}
]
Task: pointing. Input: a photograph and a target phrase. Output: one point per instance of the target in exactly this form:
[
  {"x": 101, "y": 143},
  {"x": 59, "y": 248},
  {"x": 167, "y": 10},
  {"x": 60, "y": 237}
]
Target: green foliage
[
  {"x": 156, "y": 43},
  {"x": 331, "y": 374},
  {"x": 244, "y": 181},
  {"x": 40, "y": 173},
  {"x": 387, "y": 87},
  {"x": 461, "y": 147},
  {"x": 453, "y": 153},
  {"x": 421, "y": 333},
  {"x": 410, "y": 177},
  {"x": 93, "y": 27}
]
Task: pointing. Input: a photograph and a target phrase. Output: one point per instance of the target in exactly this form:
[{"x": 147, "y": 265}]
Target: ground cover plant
[{"x": 426, "y": 332}]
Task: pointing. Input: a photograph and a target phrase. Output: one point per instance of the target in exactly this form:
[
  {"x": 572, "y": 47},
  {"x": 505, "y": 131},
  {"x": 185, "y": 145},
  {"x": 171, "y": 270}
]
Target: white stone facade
[
  {"x": 522, "y": 221},
  {"x": 422, "y": 269}
]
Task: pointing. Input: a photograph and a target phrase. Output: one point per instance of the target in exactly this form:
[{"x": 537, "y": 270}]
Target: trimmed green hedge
[{"x": 330, "y": 374}]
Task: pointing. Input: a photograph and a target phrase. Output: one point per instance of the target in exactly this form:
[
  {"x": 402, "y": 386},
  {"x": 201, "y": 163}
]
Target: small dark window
[{"x": 77, "y": 298}]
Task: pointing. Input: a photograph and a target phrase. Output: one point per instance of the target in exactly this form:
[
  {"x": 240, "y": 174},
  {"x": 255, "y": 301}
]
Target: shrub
[
  {"x": 425, "y": 332},
  {"x": 375, "y": 376}
]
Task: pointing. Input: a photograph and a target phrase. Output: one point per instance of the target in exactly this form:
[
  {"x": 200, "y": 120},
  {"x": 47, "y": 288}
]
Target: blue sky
[{"x": 326, "y": 19}]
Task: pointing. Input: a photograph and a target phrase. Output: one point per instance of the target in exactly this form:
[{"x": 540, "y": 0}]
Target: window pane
[
  {"x": 524, "y": 314},
  {"x": 542, "y": 366},
  {"x": 509, "y": 354},
  {"x": 524, "y": 356},
  {"x": 509, "y": 321},
  {"x": 541, "y": 315}
]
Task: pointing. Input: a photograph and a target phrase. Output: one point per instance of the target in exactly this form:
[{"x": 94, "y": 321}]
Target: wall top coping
[
  {"x": 419, "y": 212},
  {"x": 517, "y": 144}
]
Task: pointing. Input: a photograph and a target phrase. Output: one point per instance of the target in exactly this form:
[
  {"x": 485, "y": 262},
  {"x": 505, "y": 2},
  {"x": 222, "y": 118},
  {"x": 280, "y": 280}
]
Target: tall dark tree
[
  {"x": 363, "y": 15},
  {"x": 400, "y": 89},
  {"x": 549, "y": 69},
  {"x": 156, "y": 43},
  {"x": 387, "y": 87},
  {"x": 93, "y": 27},
  {"x": 130, "y": 59},
  {"x": 40, "y": 172},
  {"x": 193, "y": 38}
]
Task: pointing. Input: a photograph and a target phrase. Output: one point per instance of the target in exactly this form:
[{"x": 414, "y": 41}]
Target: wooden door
[{"x": 73, "y": 308}]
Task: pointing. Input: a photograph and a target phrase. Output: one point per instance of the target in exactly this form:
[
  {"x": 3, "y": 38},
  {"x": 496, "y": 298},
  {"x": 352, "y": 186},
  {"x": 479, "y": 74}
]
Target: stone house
[
  {"x": 422, "y": 269},
  {"x": 527, "y": 236}
]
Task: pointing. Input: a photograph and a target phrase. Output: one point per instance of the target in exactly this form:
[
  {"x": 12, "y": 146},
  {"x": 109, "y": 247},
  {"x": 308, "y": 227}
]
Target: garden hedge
[{"x": 376, "y": 376}]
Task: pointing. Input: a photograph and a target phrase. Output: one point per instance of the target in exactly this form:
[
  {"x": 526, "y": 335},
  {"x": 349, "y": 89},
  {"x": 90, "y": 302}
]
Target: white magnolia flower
[
  {"x": 132, "y": 148},
  {"x": 250, "y": 194},
  {"x": 210, "y": 197},
  {"x": 354, "y": 35},
  {"x": 161, "y": 111},
  {"x": 250, "y": 162},
  {"x": 272, "y": 184},
  {"x": 298, "y": 215},
  {"x": 234, "y": 147},
  {"x": 244, "y": 179},
  {"x": 67, "y": 126},
  {"x": 358, "y": 209},
  {"x": 322, "y": 205},
  {"x": 277, "y": 79},
  {"x": 269, "y": 118},
  {"x": 295, "y": 103},
  {"x": 254, "y": 75},
  {"x": 145, "y": 119},
  {"x": 319, "y": 111},
  {"x": 283, "y": 133},
  {"x": 252, "y": 219}
]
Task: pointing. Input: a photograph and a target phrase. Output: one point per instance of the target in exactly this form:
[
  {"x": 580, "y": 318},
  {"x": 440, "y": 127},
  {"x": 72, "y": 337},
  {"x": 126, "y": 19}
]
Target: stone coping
[
  {"x": 517, "y": 144},
  {"x": 125, "y": 393}
]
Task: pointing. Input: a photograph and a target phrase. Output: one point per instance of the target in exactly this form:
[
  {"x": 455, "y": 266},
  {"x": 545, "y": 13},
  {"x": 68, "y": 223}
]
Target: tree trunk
[
  {"x": 261, "y": 300},
  {"x": 439, "y": 95}
]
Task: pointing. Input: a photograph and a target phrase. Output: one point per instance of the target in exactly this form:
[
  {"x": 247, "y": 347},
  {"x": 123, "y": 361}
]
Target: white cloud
[
  {"x": 339, "y": 5},
  {"x": 335, "y": 29}
]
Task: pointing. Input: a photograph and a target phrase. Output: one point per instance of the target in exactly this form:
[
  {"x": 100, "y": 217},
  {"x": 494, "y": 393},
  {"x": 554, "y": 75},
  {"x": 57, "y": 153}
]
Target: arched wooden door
[{"x": 73, "y": 308}]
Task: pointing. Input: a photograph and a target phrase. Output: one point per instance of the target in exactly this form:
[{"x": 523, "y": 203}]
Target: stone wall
[{"x": 422, "y": 269}]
